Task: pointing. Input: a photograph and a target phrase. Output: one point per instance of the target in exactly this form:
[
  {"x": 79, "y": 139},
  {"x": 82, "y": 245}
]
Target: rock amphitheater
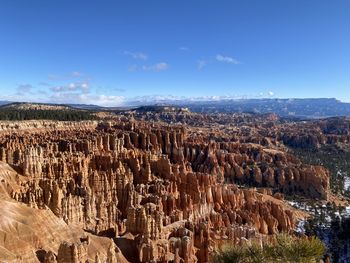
[{"x": 144, "y": 190}]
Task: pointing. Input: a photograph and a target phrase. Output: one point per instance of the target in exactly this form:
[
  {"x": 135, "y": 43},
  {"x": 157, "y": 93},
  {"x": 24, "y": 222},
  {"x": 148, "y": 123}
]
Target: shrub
[{"x": 286, "y": 249}]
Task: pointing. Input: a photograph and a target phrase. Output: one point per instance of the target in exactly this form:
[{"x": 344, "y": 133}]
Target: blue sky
[{"x": 112, "y": 52}]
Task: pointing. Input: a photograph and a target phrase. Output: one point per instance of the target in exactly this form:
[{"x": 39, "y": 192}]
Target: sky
[{"x": 111, "y": 53}]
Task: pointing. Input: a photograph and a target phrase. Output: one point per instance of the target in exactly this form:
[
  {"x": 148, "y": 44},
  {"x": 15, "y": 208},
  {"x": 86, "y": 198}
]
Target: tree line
[{"x": 59, "y": 115}]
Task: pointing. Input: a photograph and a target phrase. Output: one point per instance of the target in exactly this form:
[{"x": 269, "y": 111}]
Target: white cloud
[
  {"x": 271, "y": 93},
  {"x": 67, "y": 76},
  {"x": 136, "y": 55},
  {"x": 201, "y": 64},
  {"x": 73, "y": 86},
  {"x": 172, "y": 99},
  {"x": 79, "y": 92},
  {"x": 161, "y": 66},
  {"x": 68, "y": 91},
  {"x": 227, "y": 59},
  {"x": 79, "y": 98}
]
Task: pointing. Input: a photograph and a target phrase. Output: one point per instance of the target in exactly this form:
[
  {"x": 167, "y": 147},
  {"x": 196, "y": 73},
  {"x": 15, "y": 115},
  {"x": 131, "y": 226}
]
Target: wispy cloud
[
  {"x": 76, "y": 74},
  {"x": 74, "y": 86},
  {"x": 136, "y": 55},
  {"x": 119, "y": 90},
  {"x": 133, "y": 68},
  {"x": 268, "y": 94},
  {"x": 80, "y": 93},
  {"x": 78, "y": 98},
  {"x": 183, "y": 48},
  {"x": 227, "y": 59},
  {"x": 67, "y": 76},
  {"x": 24, "y": 89},
  {"x": 52, "y": 77},
  {"x": 44, "y": 83},
  {"x": 201, "y": 64},
  {"x": 42, "y": 92},
  {"x": 172, "y": 99},
  {"x": 161, "y": 66}
]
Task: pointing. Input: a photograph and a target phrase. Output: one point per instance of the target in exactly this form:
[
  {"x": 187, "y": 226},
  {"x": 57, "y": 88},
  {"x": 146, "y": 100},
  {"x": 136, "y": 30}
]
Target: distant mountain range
[
  {"x": 301, "y": 108},
  {"x": 4, "y": 102},
  {"x": 305, "y": 108}
]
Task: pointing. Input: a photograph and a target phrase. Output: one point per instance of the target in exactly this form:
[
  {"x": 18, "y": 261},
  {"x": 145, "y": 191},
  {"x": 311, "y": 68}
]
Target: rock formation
[{"x": 161, "y": 192}]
